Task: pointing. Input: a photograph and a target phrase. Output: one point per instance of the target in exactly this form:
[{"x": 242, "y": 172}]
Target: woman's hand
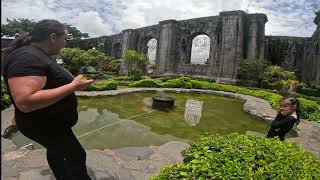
[{"x": 80, "y": 84}]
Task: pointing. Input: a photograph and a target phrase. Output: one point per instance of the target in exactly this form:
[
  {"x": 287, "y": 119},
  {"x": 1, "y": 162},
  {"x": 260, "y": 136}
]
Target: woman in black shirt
[{"x": 43, "y": 96}]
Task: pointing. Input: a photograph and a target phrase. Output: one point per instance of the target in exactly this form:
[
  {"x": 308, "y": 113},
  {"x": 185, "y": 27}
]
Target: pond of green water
[{"x": 129, "y": 120}]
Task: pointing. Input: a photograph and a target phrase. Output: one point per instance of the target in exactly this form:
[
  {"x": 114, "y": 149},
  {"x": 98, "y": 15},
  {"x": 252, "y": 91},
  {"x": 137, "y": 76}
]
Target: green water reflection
[{"x": 129, "y": 120}]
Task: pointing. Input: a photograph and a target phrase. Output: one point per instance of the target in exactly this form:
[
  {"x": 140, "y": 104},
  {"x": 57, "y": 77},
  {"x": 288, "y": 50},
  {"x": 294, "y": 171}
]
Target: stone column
[
  {"x": 232, "y": 44},
  {"x": 311, "y": 61},
  {"x": 167, "y": 47},
  {"x": 256, "y": 38},
  {"x": 316, "y": 58},
  {"x": 129, "y": 39}
]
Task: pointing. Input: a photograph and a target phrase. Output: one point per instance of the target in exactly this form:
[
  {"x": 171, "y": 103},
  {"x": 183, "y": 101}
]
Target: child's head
[{"x": 289, "y": 105}]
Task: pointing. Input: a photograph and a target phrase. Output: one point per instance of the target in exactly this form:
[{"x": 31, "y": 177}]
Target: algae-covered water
[{"x": 129, "y": 120}]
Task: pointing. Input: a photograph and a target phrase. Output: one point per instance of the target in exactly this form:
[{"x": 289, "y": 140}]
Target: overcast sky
[{"x": 106, "y": 17}]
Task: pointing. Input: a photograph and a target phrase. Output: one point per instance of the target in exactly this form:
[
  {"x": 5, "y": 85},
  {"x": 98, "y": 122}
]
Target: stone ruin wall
[
  {"x": 298, "y": 54},
  {"x": 234, "y": 35},
  {"x": 311, "y": 58}
]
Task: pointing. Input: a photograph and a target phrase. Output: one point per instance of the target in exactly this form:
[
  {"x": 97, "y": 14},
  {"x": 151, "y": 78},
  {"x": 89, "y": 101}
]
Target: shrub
[
  {"x": 182, "y": 82},
  {"x": 312, "y": 98},
  {"x": 114, "y": 66},
  {"x": 106, "y": 85},
  {"x": 238, "y": 156},
  {"x": 136, "y": 61},
  {"x": 88, "y": 70},
  {"x": 203, "y": 78},
  {"x": 252, "y": 69},
  {"x": 145, "y": 83},
  {"x": 300, "y": 86},
  {"x": 135, "y": 74},
  {"x": 169, "y": 85},
  {"x": 121, "y": 78},
  {"x": 309, "y": 91},
  {"x": 198, "y": 84},
  {"x": 310, "y": 109},
  {"x": 151, "y": 67},
  {"x": 123, "y": 83},
  {"x": 74, "y": 59},
  {"x": 110, "y": 85},
  {"x": 274, "y": 77},
  {"x": 5, "y": 99}
]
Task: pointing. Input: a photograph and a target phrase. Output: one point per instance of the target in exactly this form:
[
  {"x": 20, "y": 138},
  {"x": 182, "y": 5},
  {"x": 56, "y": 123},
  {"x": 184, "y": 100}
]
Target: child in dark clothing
[{"x": 288, "y": 116}]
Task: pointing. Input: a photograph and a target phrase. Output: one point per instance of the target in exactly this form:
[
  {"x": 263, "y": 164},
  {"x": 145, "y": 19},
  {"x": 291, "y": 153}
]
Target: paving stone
[
  {"x": 173, "y": 149},
  {"x": 133, "y": 153},
  {"x": 35, "y": 174},
  {"x": 9, "y": 171}
]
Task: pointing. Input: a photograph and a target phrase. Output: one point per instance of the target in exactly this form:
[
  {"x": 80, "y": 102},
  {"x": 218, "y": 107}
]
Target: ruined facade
[
  {"x": 234, "y": 35},
  {"x": 311, "y": 59},
  {"x": 298, "y": 54}
]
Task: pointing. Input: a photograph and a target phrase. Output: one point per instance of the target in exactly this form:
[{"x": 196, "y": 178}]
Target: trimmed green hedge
[
  {"x": 312, "y": 98},
  {"x": 309, "y": 91},
  {"x": 106, "y": 85},
  {"x": 5, "y": 99},
  {"x": 310, "y": 109},
  {"x": 145, "y": 83},
  {"x": 123, "y": 83},
  {"x": 238, "y": 156},
  {"x": 121, "y": 78}
]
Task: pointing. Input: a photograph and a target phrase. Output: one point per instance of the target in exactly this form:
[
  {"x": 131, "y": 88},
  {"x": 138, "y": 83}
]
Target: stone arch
[
  {"x": 203, "y": 46},
  {"x": 152, "y": 49},
  {"x": 143, "y": 45}
]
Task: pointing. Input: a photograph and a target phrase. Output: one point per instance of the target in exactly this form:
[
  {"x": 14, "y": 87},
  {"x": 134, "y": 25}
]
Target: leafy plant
[
  {"x": 136, "y": 62},
  {"x": 274, "y": 77},
  {"x": 75, "y": 59},
  {"x": 145, "y": 83},
  {"x": 135, "y": 74},
  {"x": 114, "y": 66},
  {"x": 252, "y": 69},
  {"x": 5, "y": 99},
  {"x": 309, "y": 91},
  {"x": 238, "y": 156},
  {"x": 151, "y": 67},
  {"x": 106, "y": 85}
]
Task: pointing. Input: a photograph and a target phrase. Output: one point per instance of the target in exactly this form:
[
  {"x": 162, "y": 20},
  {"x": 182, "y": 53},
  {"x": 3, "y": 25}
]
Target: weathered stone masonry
[
  {"x": 298, "y": 54},
  {"x": 234, "y": 35}
]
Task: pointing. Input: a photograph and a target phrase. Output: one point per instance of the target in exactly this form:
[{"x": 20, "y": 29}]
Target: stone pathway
[
  {"x": 133, "y": 162},
  {"x": 120, "y": 164}
]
